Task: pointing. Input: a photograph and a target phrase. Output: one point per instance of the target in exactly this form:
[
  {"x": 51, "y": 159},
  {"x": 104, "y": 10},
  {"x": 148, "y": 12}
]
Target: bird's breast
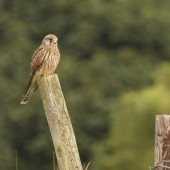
[{"x": 50, "y": 61}]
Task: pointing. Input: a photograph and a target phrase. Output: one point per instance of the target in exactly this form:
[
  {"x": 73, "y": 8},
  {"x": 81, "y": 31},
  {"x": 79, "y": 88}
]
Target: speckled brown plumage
[{"x": 44, "y": 62}]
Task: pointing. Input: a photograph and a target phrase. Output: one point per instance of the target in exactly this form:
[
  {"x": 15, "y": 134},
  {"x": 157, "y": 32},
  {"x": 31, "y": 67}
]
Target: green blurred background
[{"x": 114, "y": 72}]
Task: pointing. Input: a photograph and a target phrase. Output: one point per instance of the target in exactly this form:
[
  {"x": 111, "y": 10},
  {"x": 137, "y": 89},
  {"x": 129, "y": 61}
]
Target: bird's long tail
[{"x": 32, "y": 85}]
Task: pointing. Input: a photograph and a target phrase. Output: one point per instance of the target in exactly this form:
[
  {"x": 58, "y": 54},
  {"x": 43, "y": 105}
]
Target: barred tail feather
[
  {"x": 32, "y": 85},
  {"x": 27, "y": 96}
]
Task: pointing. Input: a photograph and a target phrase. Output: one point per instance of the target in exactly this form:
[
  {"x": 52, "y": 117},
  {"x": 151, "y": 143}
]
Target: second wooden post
[{"x": 162, "y": 142}]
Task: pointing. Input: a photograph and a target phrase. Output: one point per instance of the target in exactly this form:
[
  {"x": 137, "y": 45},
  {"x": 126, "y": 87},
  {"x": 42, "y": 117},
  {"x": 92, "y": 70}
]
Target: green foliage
[
  {"x": 110, "y": 55},
  {"x": 130, "y": 143}
]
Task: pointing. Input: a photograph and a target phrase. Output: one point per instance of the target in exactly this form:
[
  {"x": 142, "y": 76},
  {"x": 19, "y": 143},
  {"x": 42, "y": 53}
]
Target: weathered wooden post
[
  {"x": 59, "y": 123},
  {"x": 162, "y": 142}
]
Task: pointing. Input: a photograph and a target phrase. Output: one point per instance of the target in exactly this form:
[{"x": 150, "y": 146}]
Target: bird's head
[{"x": 50, "y": 39}]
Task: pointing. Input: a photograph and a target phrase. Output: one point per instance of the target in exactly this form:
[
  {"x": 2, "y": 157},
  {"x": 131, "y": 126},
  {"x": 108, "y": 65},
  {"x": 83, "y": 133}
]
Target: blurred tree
[
  {"x": 130, "y": 143},
  {"x": 108, "y": 48}
]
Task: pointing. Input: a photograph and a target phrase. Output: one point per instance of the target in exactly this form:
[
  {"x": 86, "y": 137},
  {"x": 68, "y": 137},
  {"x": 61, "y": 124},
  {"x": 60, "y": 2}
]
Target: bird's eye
[{"x": 50, "y": 40}]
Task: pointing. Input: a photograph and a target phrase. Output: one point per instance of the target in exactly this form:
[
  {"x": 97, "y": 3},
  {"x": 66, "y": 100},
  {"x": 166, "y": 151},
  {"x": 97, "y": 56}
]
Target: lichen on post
[{"x": 59, "y": 123}]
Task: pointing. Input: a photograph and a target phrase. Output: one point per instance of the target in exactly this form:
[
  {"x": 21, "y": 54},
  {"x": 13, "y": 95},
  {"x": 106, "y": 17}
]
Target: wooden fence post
[
  {"x": 162, "y": 142},
  {"x": 59, "y": 123}
]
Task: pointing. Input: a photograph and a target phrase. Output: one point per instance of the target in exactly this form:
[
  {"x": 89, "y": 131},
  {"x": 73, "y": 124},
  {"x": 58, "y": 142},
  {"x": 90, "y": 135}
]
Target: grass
[{"x": 16, "y": 160}]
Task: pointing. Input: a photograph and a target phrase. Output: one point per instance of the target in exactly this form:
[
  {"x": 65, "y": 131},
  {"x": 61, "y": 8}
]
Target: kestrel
[{"x": 44, "y": 62}]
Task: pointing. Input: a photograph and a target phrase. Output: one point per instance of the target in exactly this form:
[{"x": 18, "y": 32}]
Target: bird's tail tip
[
  {"x": 24, "y": 100},
  {"x": 27, "y": 95}
]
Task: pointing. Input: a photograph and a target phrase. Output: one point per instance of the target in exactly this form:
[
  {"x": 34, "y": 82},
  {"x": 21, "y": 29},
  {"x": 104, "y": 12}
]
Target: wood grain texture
[
  {"x": 59, "y": 123},
  {"x": 162, "y": 141}
]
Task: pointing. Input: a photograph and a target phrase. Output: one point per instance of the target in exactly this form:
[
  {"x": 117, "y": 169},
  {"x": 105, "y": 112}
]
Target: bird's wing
[
  {"x": 36, "y": 63},
  {"x": 37, "y": 59}
]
